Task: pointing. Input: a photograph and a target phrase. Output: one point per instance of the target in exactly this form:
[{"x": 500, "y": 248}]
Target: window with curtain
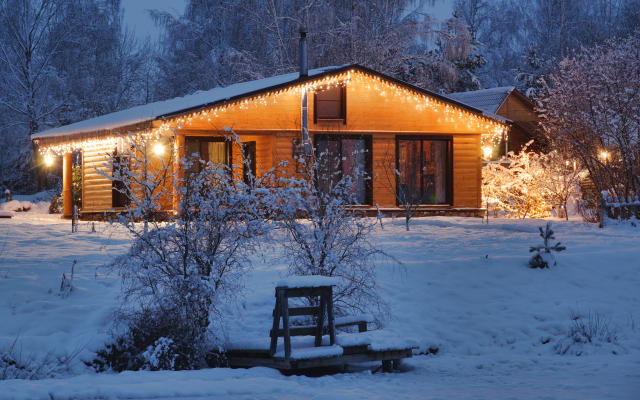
[
  {"x": 424, "y": 171},
  {"x": 216, "y": 150},
  {"x": 345, "y": 155}
]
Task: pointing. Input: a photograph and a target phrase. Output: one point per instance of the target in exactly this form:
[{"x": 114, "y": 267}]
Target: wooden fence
[{"x": 616, "y": 209}]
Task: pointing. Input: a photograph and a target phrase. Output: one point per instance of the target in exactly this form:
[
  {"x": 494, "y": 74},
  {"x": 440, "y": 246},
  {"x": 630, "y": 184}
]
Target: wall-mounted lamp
[
  {"x": 158, "y": 149},
  {"x": 48, "y": 159}
]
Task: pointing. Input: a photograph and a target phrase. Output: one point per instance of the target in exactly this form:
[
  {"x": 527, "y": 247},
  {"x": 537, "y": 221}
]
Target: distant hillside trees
[{"x": 61, "y": 61}]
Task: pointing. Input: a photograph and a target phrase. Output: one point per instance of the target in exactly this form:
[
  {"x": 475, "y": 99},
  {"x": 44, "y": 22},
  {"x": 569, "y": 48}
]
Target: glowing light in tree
[
  {"x": 158, "y": 149},
  {"x": 487, "y": 152}
]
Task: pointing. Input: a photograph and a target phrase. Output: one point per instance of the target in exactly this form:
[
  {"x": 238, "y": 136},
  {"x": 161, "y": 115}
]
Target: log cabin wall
[
  {"x": 526, "y": 123},
  {"x": 373, "y": 108},
  {"x": 96, "y": 188}
]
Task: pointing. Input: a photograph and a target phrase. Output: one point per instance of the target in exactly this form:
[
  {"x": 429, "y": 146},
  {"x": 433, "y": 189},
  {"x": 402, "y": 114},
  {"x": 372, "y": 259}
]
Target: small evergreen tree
[
  {"x": 54, "y": 207},
  {"x": 543, "y": 256}
]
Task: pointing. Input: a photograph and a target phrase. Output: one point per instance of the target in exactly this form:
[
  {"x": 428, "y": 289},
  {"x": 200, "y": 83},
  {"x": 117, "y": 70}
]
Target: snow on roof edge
[
  {"x": 153, "y": 111},
  {"x": 200, "y": 99}
]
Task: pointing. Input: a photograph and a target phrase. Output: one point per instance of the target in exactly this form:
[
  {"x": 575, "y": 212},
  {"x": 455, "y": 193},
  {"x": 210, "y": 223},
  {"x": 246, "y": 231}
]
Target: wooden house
[
  {"x": 337, "y": 109},
  {"x": 512, "y": 105}
]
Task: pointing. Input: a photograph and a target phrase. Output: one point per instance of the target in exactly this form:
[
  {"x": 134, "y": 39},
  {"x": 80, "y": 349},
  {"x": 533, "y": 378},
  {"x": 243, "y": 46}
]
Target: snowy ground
[{"x": 498, "y": 325}]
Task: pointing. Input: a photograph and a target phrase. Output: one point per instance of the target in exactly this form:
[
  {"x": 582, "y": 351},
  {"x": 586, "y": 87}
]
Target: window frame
[
  {"x": 116, "y": 185},
  {"x": 343, "y": 106},
  {"x": 448, "y": 139},
  {"x": 208, "y": 139},
  {"x": 368, "y": 159}
]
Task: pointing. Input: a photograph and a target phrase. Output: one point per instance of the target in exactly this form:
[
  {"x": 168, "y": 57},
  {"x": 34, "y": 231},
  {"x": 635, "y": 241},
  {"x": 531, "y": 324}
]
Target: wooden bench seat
[{"x": 296, "y": 347}]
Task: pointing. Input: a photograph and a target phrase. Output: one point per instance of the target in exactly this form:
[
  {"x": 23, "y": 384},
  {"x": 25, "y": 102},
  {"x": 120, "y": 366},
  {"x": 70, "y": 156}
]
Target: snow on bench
[
  {"x": 299, "y": 342},
  {"x": 390, "y": 339},
  {"x": 307, "y": 353},
  {"x": 353, "y": 319},
  {"x": 6, "y": 214},
  {"x": 307, "y": 281}
]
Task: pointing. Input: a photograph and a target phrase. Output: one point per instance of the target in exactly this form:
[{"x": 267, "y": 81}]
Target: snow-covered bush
[
  {"x": 179, "y": 278},
  {"x": 14, "y": 364},
  {"x": 595, "y": 331},
  {"x": 324, "y": 236},
  {"x": 161, "y": 356},
  {"x": 544, "y": 256},
  {"x": 142, "y": 169},
  {"x": 403, "y": 186},
  {"x": 531, "y": 184}
]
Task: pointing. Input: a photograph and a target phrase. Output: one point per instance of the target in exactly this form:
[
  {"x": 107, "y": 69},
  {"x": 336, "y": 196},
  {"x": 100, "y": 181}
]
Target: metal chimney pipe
[{"x": 304, "y": 68}]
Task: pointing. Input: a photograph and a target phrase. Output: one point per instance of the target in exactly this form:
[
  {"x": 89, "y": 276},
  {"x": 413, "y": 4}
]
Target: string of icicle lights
[{"x": 491, "y": 131}]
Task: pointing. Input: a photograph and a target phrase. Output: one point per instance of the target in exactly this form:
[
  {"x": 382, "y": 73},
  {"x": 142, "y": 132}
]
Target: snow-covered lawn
[{"x": 497, "y": 325}]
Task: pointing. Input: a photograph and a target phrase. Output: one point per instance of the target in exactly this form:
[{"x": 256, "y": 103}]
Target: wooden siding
[
  {"x": 373, "y": 108},
  {"x": 96, "y": 189},
  {"x": 516, "y": 110}
]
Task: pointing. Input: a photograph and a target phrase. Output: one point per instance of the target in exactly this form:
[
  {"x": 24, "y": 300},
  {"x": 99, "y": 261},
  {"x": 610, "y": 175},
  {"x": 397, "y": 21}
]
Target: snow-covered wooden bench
[{"x": 298, "y": 347}]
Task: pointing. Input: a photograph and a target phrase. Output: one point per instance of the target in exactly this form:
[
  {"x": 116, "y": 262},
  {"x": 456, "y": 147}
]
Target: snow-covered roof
[
  {"x": 488, "y": 100},
  {"x": 147, "y": 113},
  {"x": 152, "y": 111}
]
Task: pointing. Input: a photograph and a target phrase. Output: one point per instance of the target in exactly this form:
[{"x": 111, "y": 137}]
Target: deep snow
[{"x": 498, "y": 325}]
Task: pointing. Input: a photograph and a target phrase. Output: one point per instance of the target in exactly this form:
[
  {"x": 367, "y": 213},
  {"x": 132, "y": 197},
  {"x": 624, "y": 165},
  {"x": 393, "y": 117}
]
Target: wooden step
[{"x": 297, "y": 311}]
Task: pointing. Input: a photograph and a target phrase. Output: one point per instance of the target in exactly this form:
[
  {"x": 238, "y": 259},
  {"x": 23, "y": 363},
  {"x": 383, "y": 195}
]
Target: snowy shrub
[
  {"x": 544, "y": 256},
  {"x": 161, "y": 356},
  {"x": 531, "y": 184},
  {"x": 179, "y": 278},
  {"x": 405, "y": 187},
  {"x": 595, "y": 331},
  {"x": 14, "y": 366},
  {"x": 142, "y": 170},
  {"x": 324, "y": 236}
]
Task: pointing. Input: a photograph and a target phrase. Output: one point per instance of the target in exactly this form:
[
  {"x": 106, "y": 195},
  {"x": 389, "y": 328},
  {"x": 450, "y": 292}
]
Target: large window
[
  {"x": 342, "y": 155},
  {"x": 330, "y": 104},
  {"x": 216, "y": 150},
  {"x": 424, "y": 170}
]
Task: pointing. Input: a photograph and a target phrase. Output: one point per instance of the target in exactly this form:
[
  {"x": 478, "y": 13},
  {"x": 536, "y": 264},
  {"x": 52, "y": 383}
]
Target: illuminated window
[
  {"x": 425, "y": 172},
  {"x": 216, "y": 150},
  {"x": 341, "y": 155}
]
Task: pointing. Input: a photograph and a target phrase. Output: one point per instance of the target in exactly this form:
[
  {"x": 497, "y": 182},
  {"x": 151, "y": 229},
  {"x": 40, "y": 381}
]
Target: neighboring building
[
  {"x": 508, "y": 103},
  {"x": 350, "y": 108}
]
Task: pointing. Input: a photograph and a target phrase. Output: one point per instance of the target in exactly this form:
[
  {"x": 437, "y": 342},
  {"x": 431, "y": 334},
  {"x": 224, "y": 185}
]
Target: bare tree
[
  {"x": 591, "y": 112},
  {"x": 412, "y": 181}
]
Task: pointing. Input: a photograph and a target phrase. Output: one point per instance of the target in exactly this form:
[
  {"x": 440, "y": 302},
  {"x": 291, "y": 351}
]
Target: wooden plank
[
  {"x": 330, "y": 316},
  {"x": 306, "y": 292},
  {"x": 297, "y": 311},
  {"x": 295, "y": 331},
  {"x": 320, "y": 322},
  {"x": 276, "y": 325},
  {"x": 285, "y": 324}
]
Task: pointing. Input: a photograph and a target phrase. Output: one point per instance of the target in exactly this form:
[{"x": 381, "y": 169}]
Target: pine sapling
[
  {"x": 54, "y": 207},
  {"x": 544, "y": 255}
]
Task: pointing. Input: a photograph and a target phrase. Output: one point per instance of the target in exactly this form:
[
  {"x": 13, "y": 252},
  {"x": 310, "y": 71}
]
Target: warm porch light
[
  {"x": 48, "y": 159},
  {"x": 487, "y": 152},
  {"x": 158, "y": 149}
]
